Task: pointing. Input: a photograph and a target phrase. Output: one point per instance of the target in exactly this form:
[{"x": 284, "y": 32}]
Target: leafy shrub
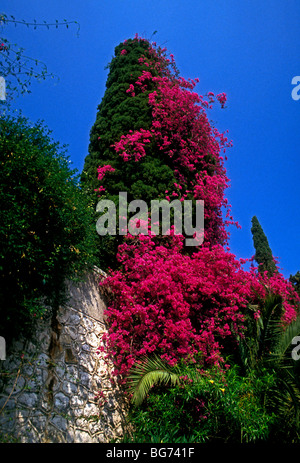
[
  {"x": 46, "y": 230},
  {"x": 206, "y": 406}
]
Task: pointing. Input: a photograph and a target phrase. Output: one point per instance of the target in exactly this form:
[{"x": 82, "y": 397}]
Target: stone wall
[{"x": 56, "y": 387}]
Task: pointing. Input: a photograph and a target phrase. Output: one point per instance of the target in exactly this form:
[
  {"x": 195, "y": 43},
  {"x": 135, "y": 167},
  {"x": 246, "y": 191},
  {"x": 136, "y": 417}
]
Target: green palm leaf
[
  {"x": 284, "y": 341},
  {"x": 268, "y": 345},
  {"x": 262, "y": 333},
  {"x": 272, "y": 326},
  {"x": 147, "y": 373}
]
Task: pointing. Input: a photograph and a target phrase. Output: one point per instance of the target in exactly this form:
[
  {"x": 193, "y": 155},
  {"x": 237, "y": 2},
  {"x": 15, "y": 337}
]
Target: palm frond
[
  {"x": 272, "y": 327},
  {"x": 284, "y": 341},
  {"x": 285, "y": 399},
  {"x": 146, "y": 373},
  {"x": 247, "y": 353}
]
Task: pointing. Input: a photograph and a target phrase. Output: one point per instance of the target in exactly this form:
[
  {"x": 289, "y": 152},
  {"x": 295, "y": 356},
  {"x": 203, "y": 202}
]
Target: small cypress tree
[
  {"x": 295, "y": 280},
  {"x": 263, "y": 253}
]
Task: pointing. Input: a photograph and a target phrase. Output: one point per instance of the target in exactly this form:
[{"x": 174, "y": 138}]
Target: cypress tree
[
  {"x": 119, "y": 113},
  {"x": 263, "y": 254},
  {"x": 153, "y": 140},
  {"x": 295, "y": 280}
]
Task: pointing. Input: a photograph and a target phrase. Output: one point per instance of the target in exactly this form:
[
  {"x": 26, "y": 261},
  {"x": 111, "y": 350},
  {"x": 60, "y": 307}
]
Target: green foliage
[
  {"x": 117, "y": 113},
  {"x": 268, "y": 341},
  {"x": 268, "y": 346},
  {"x": 205, "y": 406},
  {"x": 263, "y": 253},
  {"x": 147, "y": 373},
  {"x": 256, "y": 399},
  {"x": 262, "y": 333},
  {"x": 295, "y": 280},
  {"x": 46, "y": 231}
]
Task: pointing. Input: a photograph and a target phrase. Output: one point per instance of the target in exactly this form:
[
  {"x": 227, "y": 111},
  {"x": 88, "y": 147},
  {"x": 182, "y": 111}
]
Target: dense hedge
[{"x": 46, "y": 230}]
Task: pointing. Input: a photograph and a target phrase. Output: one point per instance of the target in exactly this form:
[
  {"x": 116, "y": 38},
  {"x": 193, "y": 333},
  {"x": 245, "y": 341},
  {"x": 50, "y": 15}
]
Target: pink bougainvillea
[
  {"x": 164, "y": 300},
  {"x": 102, "y": 170},
  {"x": 277, "y": 284},
  {"x": 133, "y": 144},
  {"x": 183, "y": 134},
  {"x": 181, "y": 306}
]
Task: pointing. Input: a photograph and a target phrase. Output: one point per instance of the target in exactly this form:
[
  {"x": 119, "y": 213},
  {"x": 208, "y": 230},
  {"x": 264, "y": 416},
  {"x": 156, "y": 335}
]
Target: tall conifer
[
  {"x": 295, "y": 280},
  {"x": 153, "y": 140},
  {"x": 263, "y": 253},
  {"x": 118, "y": 113}
]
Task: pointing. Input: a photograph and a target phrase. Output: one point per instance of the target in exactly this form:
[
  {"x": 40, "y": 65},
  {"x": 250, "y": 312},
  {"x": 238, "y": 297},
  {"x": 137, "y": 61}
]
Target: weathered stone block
[{"x": 61, "y": 401}]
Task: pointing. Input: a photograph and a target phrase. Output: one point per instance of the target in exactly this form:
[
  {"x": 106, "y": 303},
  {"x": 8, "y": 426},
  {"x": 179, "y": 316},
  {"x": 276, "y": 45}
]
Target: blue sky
[{"x": 248, "y": 49}]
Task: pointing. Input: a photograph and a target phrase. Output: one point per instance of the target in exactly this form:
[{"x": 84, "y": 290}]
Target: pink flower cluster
[
  {"x": 133, "y": 144},
  {"x": 277, "y": 284},
  {"x": 178, "y": 305},
  {"x": 181, "y": 131},
  {"x": 102, "y": 170},
  {"x": 131, "y": 90}
]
